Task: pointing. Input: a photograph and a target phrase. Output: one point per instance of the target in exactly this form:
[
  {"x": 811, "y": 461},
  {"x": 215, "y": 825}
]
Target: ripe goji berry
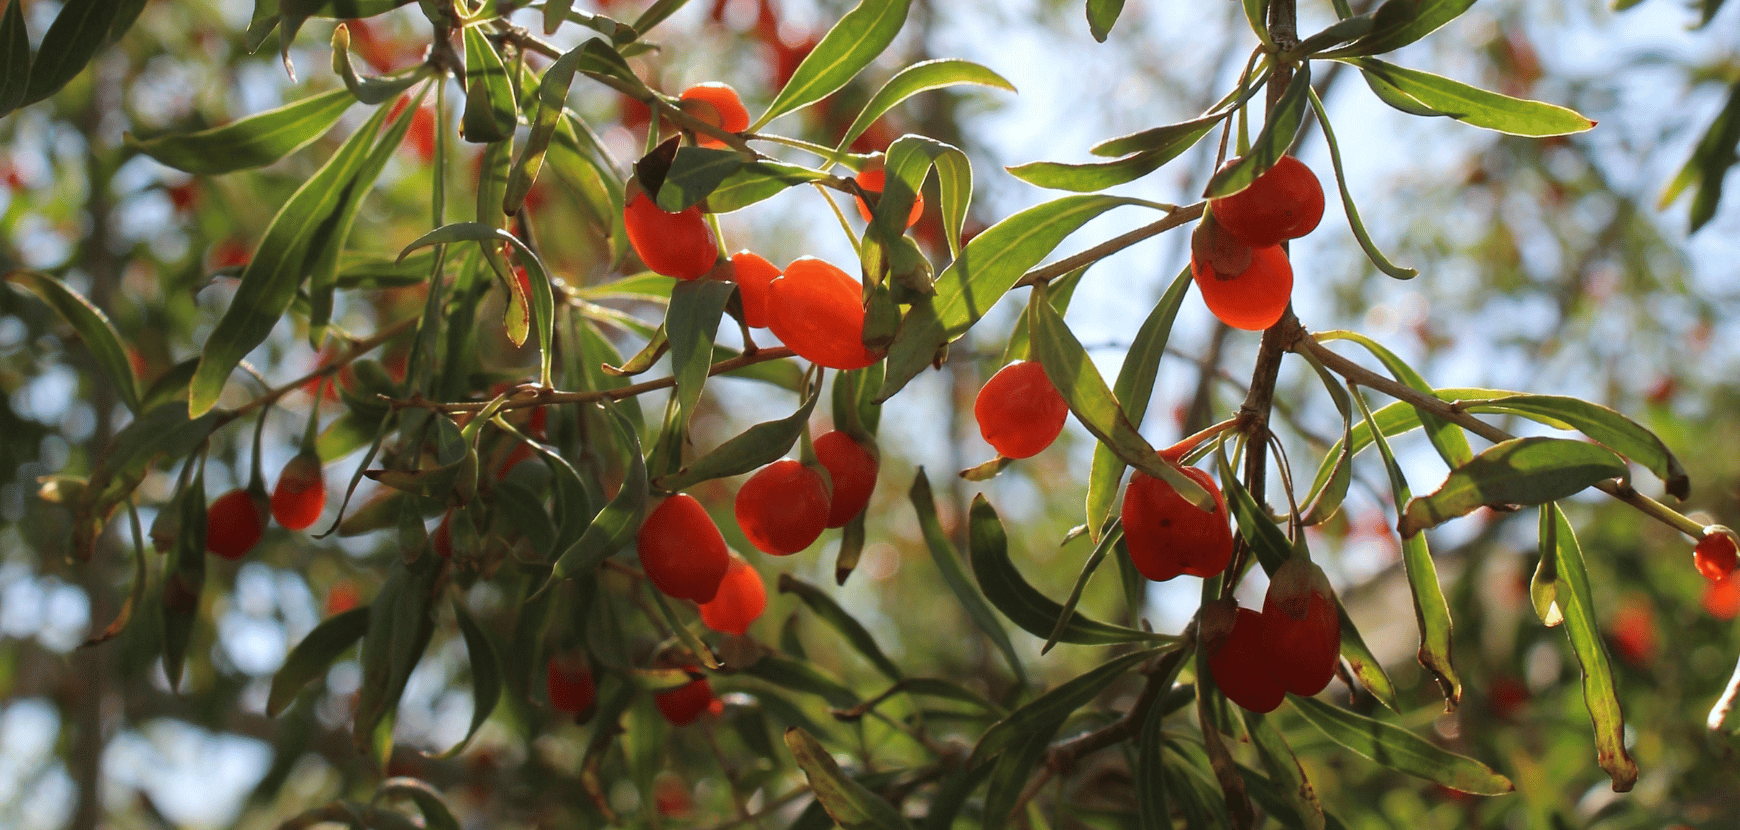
[
  {"x": 853, "y": 470},
  {"x": 674, "y": 244},
  {"x": 1715, "y": 555},
  {"x": 300, "y": 493},
  {"x": 569, "y": 681},
  {"x": 1019, "y": 410},
  {"x": 681, "y": 550},
  {"x": 1252, "y": 299},
  {"x": 234, "y": 523},
  {"x": 1286, "y": 202},
  {"x": 783, "y": 508},
  {"x": 754, "y": 276},
  {"x": 818, "y": 312},
  {"x": 1304, "y": 627},
  {"x": 717, "y": 104},
  {"x": 1168, "y": 536},
  {"x": 1242, "y": 662},
  {"x": 682, "y": 705},
  {"x": 741, "y": 599}
]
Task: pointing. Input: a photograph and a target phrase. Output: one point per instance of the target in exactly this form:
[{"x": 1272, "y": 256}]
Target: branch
[
  {"x": 545, "y": 397},
  {"x": 1178, "y": 216}
]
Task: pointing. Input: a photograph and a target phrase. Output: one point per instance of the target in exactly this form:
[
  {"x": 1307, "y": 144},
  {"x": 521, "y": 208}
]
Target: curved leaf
[
  {"x": 837, "y": 618},
  {"x": 491, "y": 107},
  {"x": 919, "y": 77},
  {"x": 91, "y": 325},
  {"x": 254, "y": 141},
  {"x": 948, "y": 561},
  {"x": 314, "y": 655},
  {"x": 1475, "y": 106},
  {"x": 617, "y": 523},
  {"x": 1101, "y": 15},
  {"x": 1452, "y": 445},
  {"x": 1354, "y": 222},
  {"x": 694, "y": 174},
  {"x": 78, "y": 31},
  {"x": 1398, "y": 23},
  {"x": 693, "y": 322},
  {"x": 485, "y": 679},
  {"x": 14, "y": 58},
  {"x": 843, "y": 52},
  {"x": 552, "y": 97},
  {"x": 908, "y": 160},
  {"x": 184, "y": 577},
  {"x": 758, "y": 180},
  {"x": 543, "y": 299},
  {"x": 1400, "y": 750},
  {"x": 1613, "y": 430},
  {"x": 436, "y": 814},
  {"x": 1271, "y": 144},
  {"x": 370, "y": 91},
  {"x": 1054, "y": 706},
  {"x": 1518, "y": 471},
  {"x": 1092, "y": 177},
  {"x": 850, "y": 804},
  {"x": 754, "y": 448}
]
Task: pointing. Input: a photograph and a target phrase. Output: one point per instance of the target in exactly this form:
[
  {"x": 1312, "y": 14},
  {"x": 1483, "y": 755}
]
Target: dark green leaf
[
  {"x": 1009, "y": 591},
  {"x": 401, "y": 620},
  {"x": 81, "y": 28},
  {"x": 756, "y": 447},
  {"x": 1113, "y": 535},
  {"x": 1518, "y": 471},
  {"x": 314, "y": 655},
  {"x": 693, "y": 321},
  {"x": 91, "y": 325},
  {"x": 1399, "y": 749},
  {"x": 1341, "y": 31},
  {"x": 851, "y": 805},
  {"x": 1289, "y": 779},
  {"x": 1575, "y": 601},
  {"x": 1101, "y": 14},
  {"x": 485, "y": 678},
  {"x": 948, "y": 561},
  {"x": 491, "y": 106},
  {"x": 951, "y": 795},
  {"x": 1398, "y": 23},
  {"x": 436, "y": 814},
  {"x": 919, "y": 77},
  {"x": 1478, "y": 107},
  {"x": 14, "y": 58},
  {"x": 250, "y": 142},
  {"x": 1617, "y": 432},
  {"x": 543, "y": 299},
  {"x": 161, "y": 431},
  {"x": 1271, "y": 144},
  {"x": 1054, "y": 706},
  {"x": 1708, "y": 165},
  {"x": 184, "y": 577},
  {"x": 843, "y": 52},
  {"x": 837, "y": 618},
  {"x": 694, "y": 174},
  {"x": 1013, "y": 766},
  {"x": 617, "y": 523},
  {"x": 552, "y": 97},
  {"x": 802, "y": 676}
]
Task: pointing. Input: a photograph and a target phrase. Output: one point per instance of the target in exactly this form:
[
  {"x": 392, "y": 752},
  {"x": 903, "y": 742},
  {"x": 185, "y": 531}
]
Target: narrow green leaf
[
  {"x": 754, "y": 448},
  {"x": 758, "y": 180},
  {"x": 1339, "y": 32},
  {"x": 1054, "y": 706},
  {"x": 164, "y": 430},
  {"x": 1092, "y": 177},
  {"x": 693, "y": 322},
  {"x": 1271, "y": 144},
  {"x": 601, "y": 60},
  {"x": 1354, "y": 222},
  {"x": 1288, "y": 777},
  {"x": 552, "y": 97},
  {"x": 802, "y": 676},
  {"x": 1014, "y": 764},
  {"x": 400, "y": 623},
  {"x": 656, "y": 14},
  {"x": 311, "y": 658},
  {"x": 1708, "y": 165},
  {"x": 81, "y": 28},
  {"x": 369, "y": 90},
  {"x": 830, "y": 612},
  {"x": 951, "y": 795},
  {"x": 1133, "y": 389},
  {"x": 1170, "y": 139},
  {"x": 91, "y": 325},
  {"x": 1575, "y": 601},
  {"x": 543, "y": 299},
  {"x": 617, "y": 523},
  {"x": 1399, "y": 749},
  {"x": 908, "y": 161},
  {"x": 1401, "y": 22},
  {"x": 694, "y": 174},
  {"x": 843, "y": 52},
  {"x": 254, "y": 141},
  {"x": 491, "y": 107},
  {"x": 927, "y": 687},
  {"x": 1451, "y": 444},
  {"x": 14, "y": 58},
  {"x": 684, "y": 633},
  {"x": 1101, "y": 15},
  {"x": 436, "y": 814},
  {"x": 1009, "y": 591},
  {"x": 1431, "y": 612},
  {"x": 486, "y": 679},
  {"x": 556, "y": 12},
  {"x": 948, "y": 561},
  {"x": 1107, "y": 542},
  {"x": 850, "y": 804},
  {"x": 919, "y": 77},
  {"x": 1615, "y": 431},
  {"x": 1519, "y": 471},
  {"x": 1256, "y": 15},
  {"x": 1474, "y": 106},
  {"x": 184, "y": 577},
  {"x": 1075, "y": 376},
  {"x": 1152, "y": 810}
]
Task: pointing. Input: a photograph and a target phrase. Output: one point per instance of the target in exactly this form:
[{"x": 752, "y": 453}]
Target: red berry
[
  {"x": 874, "y": 179},
  {"x": 818, "y": 311},
  {"x": 1252, "y": 299},
  {"x": 569, "y": 681},
  {"x": 234, "y": 523},
  {"x": 783, "y": 507},
  {"x": 1286, "y": 202},
  {"x": 1019, "y": 411},
  {"x": 1168, "y": 536},
  {"x": 853, "y": 470},
  {"x": 342, "y": 597},
  {"x": 674, "y": 244},
  {"x": 671, "y": 796},
  {"x": 1304, "y": 627},
  {"x": 1242, "y": 663},
  {"x": 300, "y": 493},
  {"x": 1722, "y": 598},
  {"x": 682, "y": 551},
  {"x": 716, "y": 104},
  {"x": 754, "y": 276},
  {"x": 741, "y": 599},
  {"x": 1716, "y": 555},
  {"x": 1633, "y": 632},
  {"x": 682, "y": 705}
]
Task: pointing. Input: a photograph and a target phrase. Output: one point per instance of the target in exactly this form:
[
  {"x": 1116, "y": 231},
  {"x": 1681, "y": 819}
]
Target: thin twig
[
  {"x": 546, "y": 397},
  {"x": 1176, "y": 217}
]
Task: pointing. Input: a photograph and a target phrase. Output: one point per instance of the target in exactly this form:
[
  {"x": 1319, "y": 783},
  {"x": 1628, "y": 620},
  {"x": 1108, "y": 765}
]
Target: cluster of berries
[
  {"x": 1236, "y": 257},
  {"x": 236, "y": 520}
]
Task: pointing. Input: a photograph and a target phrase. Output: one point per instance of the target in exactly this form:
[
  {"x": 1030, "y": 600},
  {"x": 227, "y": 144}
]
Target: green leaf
[
  {"x": 184, "y": 577},
  {"x": 1171, "y": 139},
  {"x": 1078, "y": 380},
  {"x": 1106, "y": 544},
  {"x": 552, "y": 97},
  {"x": 1093, "y": 177},
  {"x": 161, "y": 431},
  {"x": 310, "y": 659},
  {"x": 850, "y": 804},
  {"x": 1613, "y": 430},
  {"x": 1288, "y": 777},
  {"x": 436, "y": 814},
  {"x": 802, "y": 676},
  {"x": 1133, "y": 389},
  {"x": 254, "y": 141},
  {"x": 843, "y": 52},
  {"x": 919, "y": 77},
  {"x": 295, "y": 241},
  {"x": 1474, "y": 106},
  {"x": 491, "y": 107},
  {"x": 754, "y": 448},
  {"x": 485, "y": 675},
  {"x": 1152, "y": 811},
  {"x": 1054, "y": 706},
  {"x": 927, "y": 687},
  {"x": 837, "y": 618},
  {"x": 1400, "y": 750},
  {"x": 617, "y": 523},
  {"x": 1256, "y": 15},
  {"x": 693, "y": 322},
  {"x": 1431, "y": 612},
  {"x": 948, "y": 561},
  {"x": 1354, "y": 221},
  {"x": 1009, "y": 591},
  {"x": 1101, "y": 15},
  {"x": 1452, "y": 445},
  {"x": 92, "y": 327},
  {"x": 14, "y": 58},
  {"x": 1518, "y": 471},
  {"x": 81, "y": 28},
  {"x": 1575, "y": 602},
  {"x": 543, "y": 299},
  {"x": 368, "y": 90},
  {"x": 1401, "y": 22},
  {"x": 1708, "y": 165},
  {"x": 1013, "y": 766},
  {"x": 656, "y": 14},
  {"x": 601, "y": 60},
  {"x": 694, "y": 174},
  {"x": 908, "y": 161},
  {"x": 758, "y": 180},
  {"x": 1341, "y": 31},
  {"x": 400, "y": 623},
  {"x": 1271, "y": 144}
]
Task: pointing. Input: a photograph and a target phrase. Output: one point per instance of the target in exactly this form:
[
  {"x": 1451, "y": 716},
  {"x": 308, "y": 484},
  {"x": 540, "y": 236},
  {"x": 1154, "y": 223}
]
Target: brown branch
[
  {"x": 1178, "y": 216},
  {"x": 362, "y": 347},
  {"x": 545, "y": 397}
]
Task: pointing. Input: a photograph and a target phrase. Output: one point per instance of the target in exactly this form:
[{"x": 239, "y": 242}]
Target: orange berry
[
  {"x": 1716, "y": 556},
  {"x": 1722, "y": 598},
  {"x": 342, "y": 597},
  {"x": 1019, "y": 410},
  {"x": 1168, "y": 536},
  {"x": 681, "y": 550},
  {"x": 783, "y": 507},
  {"x": 234, "y": 523},
  {"x": 853, "y": 470},
  {"x": 682, "y": 705},
  {"x": 1252, "y": 299},
  {"x": 569, "y": 681},
  {"x": 741, "y": 599},
  {"x": 818, "y": 311},
  {"x": 674, "y": 244},
  {"x": 873, "y": 180},
  {"x": 1286, "y": 202},
  {"x": 754, "y": 276},
  {"x": 1242, "y": 663},
  {"x": 300, "y": 493},
  {"x": 717, "y": 104},
  {"x": 1633, "y": 633},
  {"x": 1304, "y": 627}
]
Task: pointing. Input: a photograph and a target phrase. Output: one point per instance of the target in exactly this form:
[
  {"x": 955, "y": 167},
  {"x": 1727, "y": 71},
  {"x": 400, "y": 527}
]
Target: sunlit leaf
[
  {"x": 1518, "y": 471},
  {"x": 253, "y": 141},
  {"x": 1398, "y": 23},
  {"x": 859, "y": 36},
  {"x": 919, "y": 77},
  {"x": 1399, "y": 749},
  {"x": 491, "y": 106},
  {"x": 1475, "y": 106},
  {"x": 755, "y": 447},
  {"x": 1272, "y": 143},
  {"x": 78, "y": 31}
]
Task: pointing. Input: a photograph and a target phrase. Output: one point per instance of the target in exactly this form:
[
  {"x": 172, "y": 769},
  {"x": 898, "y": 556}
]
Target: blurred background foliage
[{"x": 1546, "y": 265}]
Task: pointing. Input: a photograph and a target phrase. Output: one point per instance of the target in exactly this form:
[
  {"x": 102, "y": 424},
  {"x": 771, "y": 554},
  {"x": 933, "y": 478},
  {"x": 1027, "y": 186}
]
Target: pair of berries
[
  {"x": 814, "y": 308},
  {"x": 1292, "y": 645},
  {"x": 1019, "y": 411},
  {"x": 236, "y": 520},
  {"x": 786, "y": 505},
  {"x": 1235, "y": 253},
  {"x": 681, "y": 244},
  {"x": 685, "y": 557}
]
